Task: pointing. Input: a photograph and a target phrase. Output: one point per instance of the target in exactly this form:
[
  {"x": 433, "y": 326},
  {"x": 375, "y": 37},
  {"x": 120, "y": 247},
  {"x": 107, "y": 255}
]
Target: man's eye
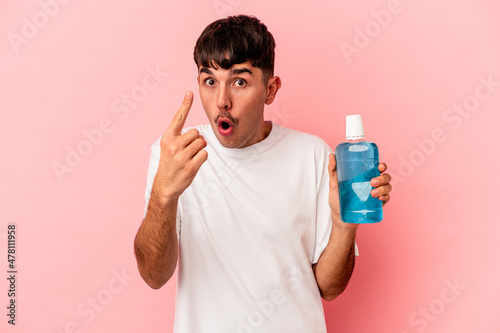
[
  {"x": 240, "y": 82},
  {"x": 209, "y": 82}
]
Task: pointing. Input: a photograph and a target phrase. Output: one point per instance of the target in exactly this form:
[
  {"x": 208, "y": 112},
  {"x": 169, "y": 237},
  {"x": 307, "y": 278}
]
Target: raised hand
[{"x": 181, "y": 156}]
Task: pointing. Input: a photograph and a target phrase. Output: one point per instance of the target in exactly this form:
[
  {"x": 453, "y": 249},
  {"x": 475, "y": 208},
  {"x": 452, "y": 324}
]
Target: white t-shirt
[{"x": 250, "y": 226}]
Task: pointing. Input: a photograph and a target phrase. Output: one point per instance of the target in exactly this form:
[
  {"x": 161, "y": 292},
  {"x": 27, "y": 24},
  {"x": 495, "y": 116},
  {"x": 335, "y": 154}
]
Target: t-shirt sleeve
[
  {"x": 154, "y": 162},
  {"x": 323, "y": 211}
]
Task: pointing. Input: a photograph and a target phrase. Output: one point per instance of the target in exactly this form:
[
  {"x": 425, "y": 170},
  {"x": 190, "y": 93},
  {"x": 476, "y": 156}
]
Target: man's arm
[
  {"x": 336, "y": 264},
  {"x": 156, "y": 244}
]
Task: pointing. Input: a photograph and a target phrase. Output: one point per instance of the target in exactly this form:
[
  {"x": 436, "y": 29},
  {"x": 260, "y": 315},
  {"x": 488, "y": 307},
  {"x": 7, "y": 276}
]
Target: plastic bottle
[{"x": 357, "y": 163}]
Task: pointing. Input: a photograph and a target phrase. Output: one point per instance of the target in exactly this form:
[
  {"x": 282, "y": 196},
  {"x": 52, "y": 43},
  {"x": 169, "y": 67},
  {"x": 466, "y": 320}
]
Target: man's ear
[
  {"x": 198, "y": 79},
  {"x": 273, "y": 86}
]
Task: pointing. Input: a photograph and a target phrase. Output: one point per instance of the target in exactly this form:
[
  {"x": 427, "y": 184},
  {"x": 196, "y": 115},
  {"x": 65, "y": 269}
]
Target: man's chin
[{"x": 226, "y": 143}]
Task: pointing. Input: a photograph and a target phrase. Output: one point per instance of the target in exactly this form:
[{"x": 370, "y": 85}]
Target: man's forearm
[
  {"x": 156, "y": 245},
  {"x": 334, "y": 268}
]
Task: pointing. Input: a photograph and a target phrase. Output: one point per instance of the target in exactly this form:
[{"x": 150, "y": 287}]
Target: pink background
[{"x": 408, "y": 64}]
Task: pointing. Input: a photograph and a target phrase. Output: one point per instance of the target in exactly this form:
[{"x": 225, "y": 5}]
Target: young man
[{"x": 250, "y": 208}]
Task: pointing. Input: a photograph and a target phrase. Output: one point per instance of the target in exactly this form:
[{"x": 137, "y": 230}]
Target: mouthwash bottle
[{"x": 357, "y": 164}]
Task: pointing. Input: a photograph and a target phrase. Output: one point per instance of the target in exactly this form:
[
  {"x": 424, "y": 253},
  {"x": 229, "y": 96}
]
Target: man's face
[{"x": 234, "y": 101}]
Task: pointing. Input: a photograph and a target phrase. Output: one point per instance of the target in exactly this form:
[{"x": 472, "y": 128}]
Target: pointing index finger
[{"x": 179, "y": 120}]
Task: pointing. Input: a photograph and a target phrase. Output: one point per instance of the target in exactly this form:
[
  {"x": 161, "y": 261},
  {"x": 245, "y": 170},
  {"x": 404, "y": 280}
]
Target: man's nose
[{"x": 224, "y": 98}]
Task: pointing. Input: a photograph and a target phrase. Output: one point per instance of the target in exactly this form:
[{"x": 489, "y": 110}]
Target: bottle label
[{"x": 362, "y": 190}]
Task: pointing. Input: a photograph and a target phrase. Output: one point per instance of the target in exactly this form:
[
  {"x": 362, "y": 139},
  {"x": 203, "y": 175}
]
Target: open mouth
[{"x": 225, "y": 126}]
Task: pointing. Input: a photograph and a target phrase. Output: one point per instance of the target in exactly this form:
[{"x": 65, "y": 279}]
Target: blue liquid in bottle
[{"x": 357, "y": 164}]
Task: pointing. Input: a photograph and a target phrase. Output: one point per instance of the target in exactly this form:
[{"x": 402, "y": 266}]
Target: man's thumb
[{"x": 332, "y": 164}]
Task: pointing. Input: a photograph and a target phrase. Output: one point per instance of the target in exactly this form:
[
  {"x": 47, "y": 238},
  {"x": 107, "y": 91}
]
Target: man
[{"x": 250, "y": 208}]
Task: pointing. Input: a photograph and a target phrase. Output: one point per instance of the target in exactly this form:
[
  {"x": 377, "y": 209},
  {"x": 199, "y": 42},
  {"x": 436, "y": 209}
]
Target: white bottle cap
[{"x": 354, "y": 127}]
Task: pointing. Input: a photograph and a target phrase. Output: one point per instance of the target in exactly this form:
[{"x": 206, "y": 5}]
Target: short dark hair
[{"x": 234, "y": 40}]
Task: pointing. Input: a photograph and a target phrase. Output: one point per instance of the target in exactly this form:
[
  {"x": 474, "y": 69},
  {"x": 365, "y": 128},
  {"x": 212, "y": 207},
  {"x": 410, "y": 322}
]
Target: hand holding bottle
[
  {"x": 381, "y": 184},
  {"x": 357, "y": 165}
]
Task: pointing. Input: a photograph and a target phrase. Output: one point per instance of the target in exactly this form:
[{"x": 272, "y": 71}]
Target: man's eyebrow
[
  {"x": 234, "y": 71},
  {"x": 237, "y": 71},
  {"x": 206, "y": 71}
]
